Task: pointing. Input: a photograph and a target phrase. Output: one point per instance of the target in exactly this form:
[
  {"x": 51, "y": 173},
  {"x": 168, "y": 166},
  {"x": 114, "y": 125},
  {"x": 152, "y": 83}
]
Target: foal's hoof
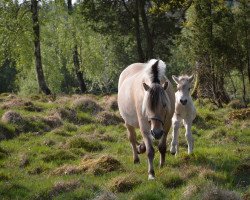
[
  {"x": 173, "y": 153},
  {"x": 151, "y": 177}
]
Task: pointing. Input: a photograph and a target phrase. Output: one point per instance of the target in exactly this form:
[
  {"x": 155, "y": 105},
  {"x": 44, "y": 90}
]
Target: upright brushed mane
[{"x": 155, "y": 70}]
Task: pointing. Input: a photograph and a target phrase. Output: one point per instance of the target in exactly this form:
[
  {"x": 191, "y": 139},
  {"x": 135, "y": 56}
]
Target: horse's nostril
[{"x": 157, "y": 133}]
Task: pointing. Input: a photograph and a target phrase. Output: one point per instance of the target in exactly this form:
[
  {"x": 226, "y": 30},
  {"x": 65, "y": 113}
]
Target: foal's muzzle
[
  {"x": 183, "y": 102},
  {"x": 156, "y": 133}
]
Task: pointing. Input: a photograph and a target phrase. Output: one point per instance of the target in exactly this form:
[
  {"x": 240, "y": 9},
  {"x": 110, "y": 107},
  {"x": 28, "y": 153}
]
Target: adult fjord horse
[{"x": 146, "y": 100}]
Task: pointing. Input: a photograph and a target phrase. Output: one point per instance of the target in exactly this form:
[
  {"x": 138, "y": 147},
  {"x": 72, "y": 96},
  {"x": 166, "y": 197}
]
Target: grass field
[{"x": 75, "y": 147}]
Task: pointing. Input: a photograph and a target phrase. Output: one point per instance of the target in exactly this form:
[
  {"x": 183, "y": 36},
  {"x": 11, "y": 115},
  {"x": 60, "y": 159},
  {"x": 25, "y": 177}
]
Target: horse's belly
[{"x": 127, "y": 107}]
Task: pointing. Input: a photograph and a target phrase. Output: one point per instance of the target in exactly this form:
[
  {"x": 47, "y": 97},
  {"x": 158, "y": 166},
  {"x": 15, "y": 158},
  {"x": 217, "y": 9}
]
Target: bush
[{"x": 86, "y": 104}]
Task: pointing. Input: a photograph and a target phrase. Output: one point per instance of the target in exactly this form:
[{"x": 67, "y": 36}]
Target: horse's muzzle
[{"x": 157, "y": 134}]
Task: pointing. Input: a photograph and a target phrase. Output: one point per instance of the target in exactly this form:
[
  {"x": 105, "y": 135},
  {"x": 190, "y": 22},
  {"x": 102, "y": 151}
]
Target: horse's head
[
  {"x": 155, "y": 106},
  {"x": 183, "y": 88}
]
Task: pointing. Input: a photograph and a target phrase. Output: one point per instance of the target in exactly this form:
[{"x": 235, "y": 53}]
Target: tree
[{"x": 37, "y": 48}]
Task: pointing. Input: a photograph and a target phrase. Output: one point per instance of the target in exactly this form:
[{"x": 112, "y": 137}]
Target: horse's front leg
[
  {"x": 150, "y": 153},
  {"x": 174, "y": 144},
  {"x": 189, "y": 137},
  {"x": 163, "y": 145}
]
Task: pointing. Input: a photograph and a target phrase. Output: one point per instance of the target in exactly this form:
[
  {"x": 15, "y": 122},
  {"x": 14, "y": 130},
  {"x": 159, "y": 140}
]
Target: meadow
[{"x": 76, "y": 147}]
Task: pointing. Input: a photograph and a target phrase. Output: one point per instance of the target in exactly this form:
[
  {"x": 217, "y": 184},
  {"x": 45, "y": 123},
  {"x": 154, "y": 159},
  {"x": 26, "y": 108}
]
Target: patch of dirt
[
  {"x": 87, "y": 104},
  {"x": 123, "y": 183},
  {"x": 64, "y": 186},
  {"x": 108, "y": 118},
  {"x": 101, "y": 165}
]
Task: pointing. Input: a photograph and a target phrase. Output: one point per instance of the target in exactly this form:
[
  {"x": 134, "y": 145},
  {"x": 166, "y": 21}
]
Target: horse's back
[
  {"x": 130, "y": 71},
  {"x": 127, "y": 88}
]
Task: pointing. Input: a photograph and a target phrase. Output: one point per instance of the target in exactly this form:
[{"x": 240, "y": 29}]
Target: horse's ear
[
  {"x": 165, "y": 85},
  {"x": 191, "y": 78},
  {"x": 146, "y": 87},
  {"x": 176, "y": 79}
]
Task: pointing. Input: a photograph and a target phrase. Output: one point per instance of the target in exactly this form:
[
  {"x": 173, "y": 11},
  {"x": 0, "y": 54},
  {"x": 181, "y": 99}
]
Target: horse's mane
[{"x": 155, "y": 70}]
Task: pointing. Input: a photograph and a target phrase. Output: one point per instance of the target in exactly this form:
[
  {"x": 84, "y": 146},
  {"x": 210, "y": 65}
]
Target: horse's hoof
[
  {"x": 151, "y": 177},
  {"x": 137, "y": 161},
  {"x": 173, "y": 153},
  {"x": 141, "y": 148}
]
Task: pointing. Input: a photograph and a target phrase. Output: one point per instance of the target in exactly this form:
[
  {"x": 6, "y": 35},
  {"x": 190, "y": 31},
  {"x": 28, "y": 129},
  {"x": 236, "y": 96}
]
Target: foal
[{"x": 184, "y": 110}]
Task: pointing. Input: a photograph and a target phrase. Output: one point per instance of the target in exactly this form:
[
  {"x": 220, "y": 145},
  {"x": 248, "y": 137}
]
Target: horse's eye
[{"x": 189, "y": 89}]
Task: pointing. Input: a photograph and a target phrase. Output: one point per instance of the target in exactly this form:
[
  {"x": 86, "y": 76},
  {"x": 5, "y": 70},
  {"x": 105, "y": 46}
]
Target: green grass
[{"x": 32, "y": 151}]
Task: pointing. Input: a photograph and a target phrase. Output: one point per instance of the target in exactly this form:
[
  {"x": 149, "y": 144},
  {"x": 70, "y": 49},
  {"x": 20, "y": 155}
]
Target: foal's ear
[
  {"x": 165, "y": 85},
  {"x": 191, "y": 78},
  {"x": 176, "y": 79},
  {"x": 146, "y": 87}
]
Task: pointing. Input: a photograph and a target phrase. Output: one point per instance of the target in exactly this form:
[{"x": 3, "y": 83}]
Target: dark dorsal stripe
[{"x": 155, "y": 72}]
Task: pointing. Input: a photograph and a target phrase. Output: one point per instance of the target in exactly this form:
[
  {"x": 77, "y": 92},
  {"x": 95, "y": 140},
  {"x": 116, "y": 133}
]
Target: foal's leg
[
  {"x": 132, "y": 139},
  {"x": 174, "y": 144},
  {"x": 163, "y": 145},
  {"x": 189, "y": 137}
]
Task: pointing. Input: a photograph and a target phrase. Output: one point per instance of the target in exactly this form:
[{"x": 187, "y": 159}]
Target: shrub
[
  {"x": 107, "y": 118},
  {"x": 86, "y": 104},
  {"x": 12, "y": 117}
]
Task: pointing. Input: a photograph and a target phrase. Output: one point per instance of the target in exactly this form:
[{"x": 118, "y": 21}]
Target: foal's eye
[{"x": 189, "y": 89}]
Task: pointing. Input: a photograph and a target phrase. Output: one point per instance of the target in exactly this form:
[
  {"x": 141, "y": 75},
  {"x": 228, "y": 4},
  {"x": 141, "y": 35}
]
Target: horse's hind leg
[
  {"x": 132, "y": 139},
  {"x": 163, "y": 146}
]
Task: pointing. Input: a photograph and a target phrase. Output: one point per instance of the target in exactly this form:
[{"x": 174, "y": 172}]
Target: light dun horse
[
  {"x": 184, "y": 110},
  {"x": 146, "y": 101}
]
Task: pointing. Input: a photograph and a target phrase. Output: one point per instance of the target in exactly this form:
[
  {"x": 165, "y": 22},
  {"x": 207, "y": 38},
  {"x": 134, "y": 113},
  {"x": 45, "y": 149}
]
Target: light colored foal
[{"x": 184, "y": 110}]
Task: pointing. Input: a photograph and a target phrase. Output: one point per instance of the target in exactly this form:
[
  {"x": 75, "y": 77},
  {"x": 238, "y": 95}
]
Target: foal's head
[
  {"x": 156, "y": 107},
  {"x": 183, "y": 88}
]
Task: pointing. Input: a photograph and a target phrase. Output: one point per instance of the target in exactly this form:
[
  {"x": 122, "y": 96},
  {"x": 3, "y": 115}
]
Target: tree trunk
[
  {"x": 39, "y": 68},
  {"x": 136, "y": 17},
  {"x": 79, "y": 73},
  {"x": 137, "y": 32},
  {"x": 149, "y": 39}
]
